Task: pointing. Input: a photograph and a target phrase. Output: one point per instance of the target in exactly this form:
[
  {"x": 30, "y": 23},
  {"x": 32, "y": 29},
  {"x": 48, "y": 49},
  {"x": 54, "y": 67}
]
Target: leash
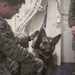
[{"x": 37, "y": 40}]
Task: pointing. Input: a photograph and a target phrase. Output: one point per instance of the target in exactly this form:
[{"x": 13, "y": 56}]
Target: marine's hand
[
  {"x": 35, "y": 53},
  {"x": 73, "y": 30},
  {"x": 33, "y": 34}
]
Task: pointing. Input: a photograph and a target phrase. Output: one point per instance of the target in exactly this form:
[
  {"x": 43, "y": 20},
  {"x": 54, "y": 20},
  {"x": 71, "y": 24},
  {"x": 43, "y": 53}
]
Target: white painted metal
[{"x": 26, "y": 13}]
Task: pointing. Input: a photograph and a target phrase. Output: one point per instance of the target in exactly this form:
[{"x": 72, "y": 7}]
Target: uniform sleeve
[
  {"x": 10, "y": 46},
  {"x": 71, "y": 20},
  {"x": 23, "y": 39}
]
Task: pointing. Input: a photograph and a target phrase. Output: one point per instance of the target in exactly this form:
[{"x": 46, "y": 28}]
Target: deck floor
[{"x": 64, "y": 69}]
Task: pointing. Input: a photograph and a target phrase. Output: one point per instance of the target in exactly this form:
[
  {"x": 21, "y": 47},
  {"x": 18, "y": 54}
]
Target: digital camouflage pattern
[
  {"x": 71, "y": 20},
  {"x": 16, "y": 49},
  {"x": 26, "y": 69}
]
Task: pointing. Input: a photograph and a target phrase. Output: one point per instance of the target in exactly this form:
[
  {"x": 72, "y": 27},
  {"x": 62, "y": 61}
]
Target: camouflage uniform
[
  {"x": 16, "y": 49},
  {"x": 71, "y": 20}
]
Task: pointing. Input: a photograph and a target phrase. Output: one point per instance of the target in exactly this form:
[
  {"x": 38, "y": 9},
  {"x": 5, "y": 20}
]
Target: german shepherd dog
[{"x": 45, "y": 51}]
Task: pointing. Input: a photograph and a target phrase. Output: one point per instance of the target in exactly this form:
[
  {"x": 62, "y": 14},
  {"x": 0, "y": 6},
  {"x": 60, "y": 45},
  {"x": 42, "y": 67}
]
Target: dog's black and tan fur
[{"x": 45, "y": 51}]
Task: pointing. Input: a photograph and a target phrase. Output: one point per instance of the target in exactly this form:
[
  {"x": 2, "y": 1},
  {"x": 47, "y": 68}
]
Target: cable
[{"x": 58, "y": 8}]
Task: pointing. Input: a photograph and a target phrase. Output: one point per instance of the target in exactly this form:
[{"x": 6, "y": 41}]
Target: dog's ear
[
  {"x": 43, "y": 32},
  {"x": 56, "y": 39}
]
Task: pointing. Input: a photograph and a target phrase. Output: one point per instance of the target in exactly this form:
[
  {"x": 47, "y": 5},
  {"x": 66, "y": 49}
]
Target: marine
[
  {"x": 15, "y": 47},
  {"x": 71, "y": 23}
]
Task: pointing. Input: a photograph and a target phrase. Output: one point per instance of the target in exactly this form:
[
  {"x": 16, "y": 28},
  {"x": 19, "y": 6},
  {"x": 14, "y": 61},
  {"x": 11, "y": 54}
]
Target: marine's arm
[
  {"x": 10, "y": 46},
  {"x": 71, "y": 20},
  {"x": 24, "y": 38}
]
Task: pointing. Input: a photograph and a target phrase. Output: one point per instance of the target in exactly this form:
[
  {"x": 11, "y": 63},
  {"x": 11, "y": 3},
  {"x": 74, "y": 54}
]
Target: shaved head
[{"x": 13, "y": 2}]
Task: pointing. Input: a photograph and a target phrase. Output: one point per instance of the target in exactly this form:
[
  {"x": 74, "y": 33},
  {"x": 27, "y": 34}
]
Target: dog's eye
[{"x": 44, "y": 42}]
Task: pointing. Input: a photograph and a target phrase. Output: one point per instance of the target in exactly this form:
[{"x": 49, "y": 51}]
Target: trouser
[
  {"x": 3, "y": 69},
  {"x": 34, "y": 67}
]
